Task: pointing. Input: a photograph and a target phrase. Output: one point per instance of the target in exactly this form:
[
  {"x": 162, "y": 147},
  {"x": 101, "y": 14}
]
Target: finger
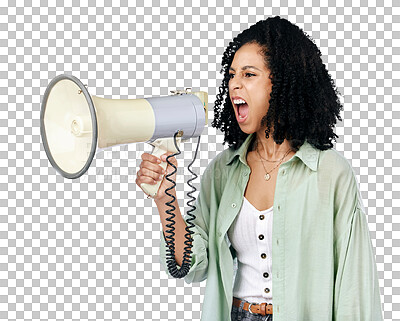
[
  {"x": 171, "y": 159},
  {"x": 155, "y": 174},
  {"x": 151, "y": 158},
  {"x": 151, "y": 167},
  {"x": 141, "y": 178},
  {"x": 145, "y": 180}
]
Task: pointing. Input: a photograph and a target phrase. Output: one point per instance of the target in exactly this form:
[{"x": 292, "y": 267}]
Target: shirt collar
[{"x": 307, "y": 153}]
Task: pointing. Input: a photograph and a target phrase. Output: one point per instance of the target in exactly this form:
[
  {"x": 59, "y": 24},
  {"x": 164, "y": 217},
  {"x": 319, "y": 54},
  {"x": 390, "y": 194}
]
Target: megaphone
[{"x": 74, "y": 125}]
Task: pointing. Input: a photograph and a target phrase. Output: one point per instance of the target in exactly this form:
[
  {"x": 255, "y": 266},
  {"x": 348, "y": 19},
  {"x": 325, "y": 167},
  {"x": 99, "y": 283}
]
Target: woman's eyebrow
[{"x": 245, "y": 67}]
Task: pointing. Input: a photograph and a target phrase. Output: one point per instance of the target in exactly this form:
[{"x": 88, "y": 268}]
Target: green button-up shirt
[{"x": 323, "y": 262}]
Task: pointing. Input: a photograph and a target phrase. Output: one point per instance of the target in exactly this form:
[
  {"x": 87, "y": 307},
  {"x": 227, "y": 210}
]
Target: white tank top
[{"x": 251, "y": 237}]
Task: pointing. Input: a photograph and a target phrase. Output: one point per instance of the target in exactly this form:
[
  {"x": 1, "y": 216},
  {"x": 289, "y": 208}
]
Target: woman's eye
[{"x": 247, "y": 73}]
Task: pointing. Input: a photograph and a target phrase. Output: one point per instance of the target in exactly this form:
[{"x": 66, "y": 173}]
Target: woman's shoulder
[
  {"x": 333, "y": 156},
  {"x": 335, "y": 163}
]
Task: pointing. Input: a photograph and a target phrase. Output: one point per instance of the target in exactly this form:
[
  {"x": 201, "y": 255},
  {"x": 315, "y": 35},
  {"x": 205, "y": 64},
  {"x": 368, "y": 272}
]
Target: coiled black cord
[{"x": 187, "y": 258}]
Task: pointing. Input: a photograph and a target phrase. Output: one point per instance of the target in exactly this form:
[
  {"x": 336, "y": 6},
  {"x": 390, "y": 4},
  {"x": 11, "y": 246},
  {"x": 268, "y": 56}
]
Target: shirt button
[
  {"x": 233, "y": 205},
  {"x": 265, "y": 274},
  {"x": 261, "y": 217},
  {"x": 283, "y": 172},
  {"x": 263, "y": 255},
  {"x": 266, "y": 290},
  {"x": 261, "y": 237},
  {"x": 279, "y": 207}
]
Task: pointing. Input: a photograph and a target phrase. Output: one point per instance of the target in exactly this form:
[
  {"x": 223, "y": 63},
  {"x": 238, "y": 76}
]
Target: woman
[{"x": 280, "y": 202}]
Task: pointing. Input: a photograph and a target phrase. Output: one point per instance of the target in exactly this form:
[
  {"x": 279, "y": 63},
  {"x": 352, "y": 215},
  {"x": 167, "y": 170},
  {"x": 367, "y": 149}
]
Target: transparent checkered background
[{"x": 88, "y": 249}]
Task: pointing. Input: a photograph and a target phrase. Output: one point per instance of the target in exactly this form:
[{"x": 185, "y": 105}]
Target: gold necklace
[
  {"x": 267, "y": 176},
  {"x": 256, "y": 146}
]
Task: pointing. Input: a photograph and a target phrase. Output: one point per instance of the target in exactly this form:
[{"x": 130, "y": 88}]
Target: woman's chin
[{"x": 247, "y": 129}]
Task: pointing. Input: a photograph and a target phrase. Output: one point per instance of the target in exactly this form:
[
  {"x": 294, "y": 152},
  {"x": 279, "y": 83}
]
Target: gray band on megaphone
[
  {"x": 177, "y": 112},
  {"x": 69, "y": 86}
]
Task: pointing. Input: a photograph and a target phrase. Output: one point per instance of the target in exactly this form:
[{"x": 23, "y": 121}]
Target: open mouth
[{"x": 242, "y": 110}]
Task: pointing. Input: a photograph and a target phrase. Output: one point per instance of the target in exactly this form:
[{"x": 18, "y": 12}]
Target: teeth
[{"x": 239, "y": 101}]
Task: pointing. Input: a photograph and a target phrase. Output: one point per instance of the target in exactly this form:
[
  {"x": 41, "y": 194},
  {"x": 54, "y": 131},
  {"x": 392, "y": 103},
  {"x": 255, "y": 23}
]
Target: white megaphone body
[{"x": 74, "y": 125}]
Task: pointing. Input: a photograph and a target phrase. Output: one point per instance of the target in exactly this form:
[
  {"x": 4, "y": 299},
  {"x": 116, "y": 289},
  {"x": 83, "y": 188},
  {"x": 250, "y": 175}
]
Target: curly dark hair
[{"x": 304, "y": 102}]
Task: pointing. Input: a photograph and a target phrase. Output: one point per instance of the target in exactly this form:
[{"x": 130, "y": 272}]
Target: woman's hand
[{"x": 150, "y": 171}]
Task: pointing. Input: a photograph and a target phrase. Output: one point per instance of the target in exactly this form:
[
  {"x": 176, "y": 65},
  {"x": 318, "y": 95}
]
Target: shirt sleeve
[
  {"x": 199, "y": 263},
  {"x": 356, "y": 291}
]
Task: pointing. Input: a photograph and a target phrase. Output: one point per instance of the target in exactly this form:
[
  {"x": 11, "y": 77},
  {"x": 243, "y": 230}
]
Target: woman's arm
[
  {"x": 357, "y": 296},
  {"x": 356, "y": 286},
  {"x": 203, "y": 204},
  {"x": 179, "y": 225}
]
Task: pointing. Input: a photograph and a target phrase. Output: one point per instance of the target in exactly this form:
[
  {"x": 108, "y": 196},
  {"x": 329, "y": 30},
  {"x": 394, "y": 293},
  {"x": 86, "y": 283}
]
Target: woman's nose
[{"x": 234, "y": 83}]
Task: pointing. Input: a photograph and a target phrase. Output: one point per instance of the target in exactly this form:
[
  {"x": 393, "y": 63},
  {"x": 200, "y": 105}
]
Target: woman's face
[{"x": 252, "y": 85}]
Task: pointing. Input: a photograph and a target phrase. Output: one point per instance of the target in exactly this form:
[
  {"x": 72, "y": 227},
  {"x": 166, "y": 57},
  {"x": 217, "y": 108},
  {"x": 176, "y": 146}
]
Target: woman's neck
[{"x": 270, "y": 150}]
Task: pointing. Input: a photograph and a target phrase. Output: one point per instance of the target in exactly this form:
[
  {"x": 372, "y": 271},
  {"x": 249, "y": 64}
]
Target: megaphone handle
[
  {"x": 151, "y": 189},
  {"x": 161, "y": 146}
]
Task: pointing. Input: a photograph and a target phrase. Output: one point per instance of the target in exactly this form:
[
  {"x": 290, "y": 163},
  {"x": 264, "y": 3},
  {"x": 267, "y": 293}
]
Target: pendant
[{"x": 267, "y": 177}]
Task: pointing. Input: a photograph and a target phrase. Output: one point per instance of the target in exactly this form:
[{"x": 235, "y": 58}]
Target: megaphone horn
[{"x": 74, "y": 125}]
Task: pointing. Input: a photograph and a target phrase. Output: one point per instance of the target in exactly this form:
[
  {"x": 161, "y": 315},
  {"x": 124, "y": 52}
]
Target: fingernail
[
  {"x": 160, "y": 178},
  {"x": 158, "y": 161},
  {"x": 163, "y": 157}
]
